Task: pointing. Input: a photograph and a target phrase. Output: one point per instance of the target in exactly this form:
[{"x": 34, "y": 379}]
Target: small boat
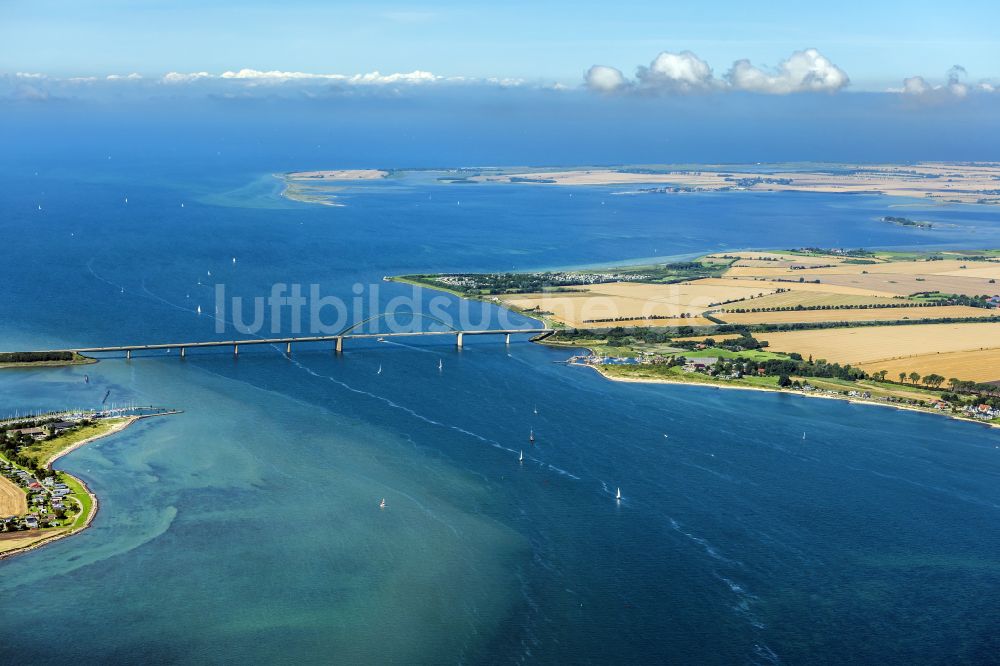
[
  {"x": 380, "y": 340},
  {"x": 381, "y": 504},
  {"x": 531, "y": 436},
  {"x": 520, "y": 458},
  {"x": 618, "y": 495},
  {"x": 803, "y": 435},
  {"x": 234, "y": 260}
]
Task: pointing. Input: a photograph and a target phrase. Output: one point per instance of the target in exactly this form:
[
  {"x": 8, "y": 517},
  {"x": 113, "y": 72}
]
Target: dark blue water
[{"x": 248, "y": 528}]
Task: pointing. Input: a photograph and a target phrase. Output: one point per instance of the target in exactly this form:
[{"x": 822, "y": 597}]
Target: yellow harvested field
[
  {"x": 866, "y": 314},
  {"x": 13, "y": 501},
  {"x": 637, "y": 302},
  {"x": 702, "y": 338},
  {"x": 977, "y": 366},
  {"x": 952, "y": 276},
  {"x": 773, "y": 285},
  {"x": 989, "y": 271},
  {"x": 809, "y": 299},
  {"x": 14, "y": 540},
  {"x": 906, "y": 284},
  {"x": 879, "y": 344}
]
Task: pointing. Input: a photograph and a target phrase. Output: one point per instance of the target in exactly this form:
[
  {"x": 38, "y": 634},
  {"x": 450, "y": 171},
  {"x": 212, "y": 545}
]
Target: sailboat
[
  {"x": 531, "y": 436},
  {"x": 536, "y": 409},
  {"x": 379, "y": 369},
  {"x": 803, "y": 435},
  {"x": 520, "y": 458},
  {"x": 618, "y": 495},
  {"x": 381, "y": 504},
  {"x": 440, "y": 364},
  {"x": 199, "y": 309}
]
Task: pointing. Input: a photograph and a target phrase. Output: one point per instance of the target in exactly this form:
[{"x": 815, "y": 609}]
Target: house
[
  {"x": 700, "y": 364},
  {"x": 31, "y": 522},
  {"x": 36, "y": 433},
  {"x": 60, "y": 426}
]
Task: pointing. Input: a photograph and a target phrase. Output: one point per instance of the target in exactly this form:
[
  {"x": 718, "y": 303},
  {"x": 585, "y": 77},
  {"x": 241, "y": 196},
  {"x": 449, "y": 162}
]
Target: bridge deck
[{"x": 293, "y": 340}]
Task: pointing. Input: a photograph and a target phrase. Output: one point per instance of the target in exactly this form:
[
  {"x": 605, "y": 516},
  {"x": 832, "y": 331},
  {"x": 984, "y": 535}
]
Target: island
[
  {"x": 919, "y": 330},
  {"x": 40, "y": 504}
]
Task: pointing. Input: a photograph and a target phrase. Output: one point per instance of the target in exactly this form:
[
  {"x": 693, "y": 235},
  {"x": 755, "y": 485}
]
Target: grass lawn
[
  {"x": 39, "y": 452},
  {"x": 675, "y": 374},
  {"x": 81, "y": 495}
]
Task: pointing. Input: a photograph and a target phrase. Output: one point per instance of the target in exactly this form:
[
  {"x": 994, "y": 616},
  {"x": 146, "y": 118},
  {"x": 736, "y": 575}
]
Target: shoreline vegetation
[
  {"x": 73, "y": 505},
  {"x": 737, "y": 320},
  {"x": 43, "y": 359}
]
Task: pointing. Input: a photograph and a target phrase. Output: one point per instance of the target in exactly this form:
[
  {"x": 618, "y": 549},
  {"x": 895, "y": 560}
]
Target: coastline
[
  {"x": 94, "y": 501},
  {"x": 544, "y": 341},
  {"x": 730, "y": 387}
]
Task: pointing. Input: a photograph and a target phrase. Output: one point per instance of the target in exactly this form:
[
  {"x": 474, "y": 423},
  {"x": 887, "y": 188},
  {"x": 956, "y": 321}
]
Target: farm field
[
  {"x": 635, "y": 301},
  {"x": 869, "y": 314},
  {"x": 14, "y": 540},
  {"x": 945, "y": 349},
  {"x": 809, "y": 299},
  {"x": 978, "y": 366},
  {"x": 765, "y": 285},
  {"x": 13, "y": 501},
  {"x": 950, "y": 276},
  {"x": 904, "y": 284}
]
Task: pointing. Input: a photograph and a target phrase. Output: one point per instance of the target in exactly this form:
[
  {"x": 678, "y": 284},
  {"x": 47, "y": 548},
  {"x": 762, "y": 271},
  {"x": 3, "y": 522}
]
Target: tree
[
  {"x": 954, "y": 382},
  {"x": 784, "y": 381},
  {"x": 881, "y": 375},
  {"x": 914, "y": 377},
  {"x": 902, "y": 378}
]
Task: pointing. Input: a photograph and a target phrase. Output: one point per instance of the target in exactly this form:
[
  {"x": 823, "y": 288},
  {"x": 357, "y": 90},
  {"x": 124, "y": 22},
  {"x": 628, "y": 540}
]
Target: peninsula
[
  {"x": 912, "y": 329},
  {"x": 39, "y": 504}
]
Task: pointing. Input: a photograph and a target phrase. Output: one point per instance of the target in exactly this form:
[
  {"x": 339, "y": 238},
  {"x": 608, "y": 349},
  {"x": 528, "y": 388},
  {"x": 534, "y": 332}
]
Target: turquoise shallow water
[{"x": 248, "y": 527}]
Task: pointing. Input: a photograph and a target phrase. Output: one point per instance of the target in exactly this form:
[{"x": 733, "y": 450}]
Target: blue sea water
[{"x": 248, "y": 527}]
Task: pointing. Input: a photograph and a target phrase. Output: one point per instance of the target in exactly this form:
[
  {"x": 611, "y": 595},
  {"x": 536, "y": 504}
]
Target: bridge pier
[
  {"x": 507, "y": 340},
  {"x": 458, "y": 340},
  {"x": 183, "y": 352},
  {"x": 128, "y": 354},
  {"x": 288, "y": 349},
  {"x": 236, "y": 350},
  {"x": 340, "y": 345}
]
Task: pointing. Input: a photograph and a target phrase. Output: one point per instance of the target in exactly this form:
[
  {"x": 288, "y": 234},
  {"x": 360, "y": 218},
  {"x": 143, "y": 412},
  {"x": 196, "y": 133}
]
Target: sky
[
  {"x": 877, "y": 43},
  {"x": 445, "y": 83}
]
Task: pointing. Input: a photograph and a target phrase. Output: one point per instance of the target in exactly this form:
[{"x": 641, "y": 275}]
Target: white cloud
[
  {"x": 683, "y": 73},
  {"x": 177, "y": 77},
  {"x": 415, "y": 76},
  {"x": 954, "y": 86},
  {"x": 604, "y": 79},
  {"x": 803, "y": 71},
  {"x": 134, "y": 76},
  {"x": 30, "y": 75},
  {"x": 677, "y": 72}
]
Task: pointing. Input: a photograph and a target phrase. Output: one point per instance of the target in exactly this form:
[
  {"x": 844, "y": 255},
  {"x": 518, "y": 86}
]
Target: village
[
  {"x": 36, "y": 499},
  {"x": 753, "y": 374}
]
